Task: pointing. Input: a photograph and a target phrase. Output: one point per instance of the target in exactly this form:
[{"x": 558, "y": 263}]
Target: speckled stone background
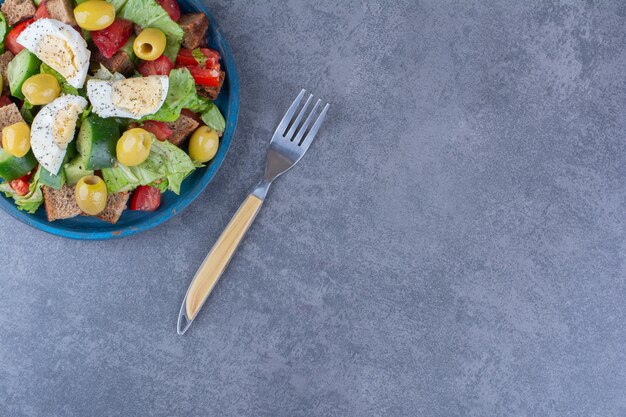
[{"x": 453, "y": 244}]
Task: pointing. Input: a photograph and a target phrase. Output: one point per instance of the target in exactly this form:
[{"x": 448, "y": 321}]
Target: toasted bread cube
[{"x": 17, "y": 10}]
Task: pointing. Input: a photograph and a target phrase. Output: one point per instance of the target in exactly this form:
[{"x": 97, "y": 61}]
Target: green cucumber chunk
[
  {"x": 96, "y": 142},
  {"x": 75, "y": 170},
  {"x": 21, "y": 68},
  {"x": 12, "y": 168}
]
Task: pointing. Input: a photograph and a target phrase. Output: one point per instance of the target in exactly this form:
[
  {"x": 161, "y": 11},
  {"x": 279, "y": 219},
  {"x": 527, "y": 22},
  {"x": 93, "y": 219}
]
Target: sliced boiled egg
[
  {"x": 131, "y": 98},
  {"x": 53, "y": 129},
  {"x": 60, "y": 46}
]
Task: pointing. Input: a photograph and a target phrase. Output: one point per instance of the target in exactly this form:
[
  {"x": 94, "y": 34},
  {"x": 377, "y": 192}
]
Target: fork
[{"x": 290, "y": 142}]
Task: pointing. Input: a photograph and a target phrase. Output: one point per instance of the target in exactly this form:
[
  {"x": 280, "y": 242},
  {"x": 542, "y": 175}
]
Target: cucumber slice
[
  {"x": 54, "y": 181},
  {"x": 12, "y": 168},
  {"x": 96, "y": 142},
  {"x": 21, "y": 68},
  {"x": 75, "y": 170}
]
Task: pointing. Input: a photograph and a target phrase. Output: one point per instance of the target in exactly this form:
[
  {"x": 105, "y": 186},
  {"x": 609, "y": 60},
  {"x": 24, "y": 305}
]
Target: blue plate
[{"x": 131, "y": 222}]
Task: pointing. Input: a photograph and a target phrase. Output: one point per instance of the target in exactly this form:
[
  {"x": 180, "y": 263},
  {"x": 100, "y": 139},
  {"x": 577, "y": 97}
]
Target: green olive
[
  {"x": 149, "y": 44},
  {"x": 203, "y": 144},
  {"x": 94, "y": 15},
  {"x": 91, "y": 195},
  {"x": 134, "y": 147},
  {"x": 16, "y": 139},
  {"x": 41, "y": 89}
]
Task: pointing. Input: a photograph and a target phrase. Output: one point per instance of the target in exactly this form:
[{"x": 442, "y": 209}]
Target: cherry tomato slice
[
  {"x": 111, "y": 39},
  {"x": 145, "y": 198},
  {"x": 42, "y": 11},
  {"x": 160, "y": 66},
  {"x": 185, "y": 57},
  {"x": 21, "y": 185},
  {"x": 172, "y": 8},
  {"x": 11, "y": 40},
  {"x": 5, "y": 101},
  {"x": 158, "y": 129},
  {"x": 209, "y": 77}
]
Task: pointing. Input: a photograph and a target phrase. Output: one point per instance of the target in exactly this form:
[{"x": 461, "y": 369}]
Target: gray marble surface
[{"x": 453, "y": 245}]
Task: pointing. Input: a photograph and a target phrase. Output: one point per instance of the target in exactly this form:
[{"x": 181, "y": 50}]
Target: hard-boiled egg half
[
  {"x": 60, "y": 46},
  {"x": 53, "y": 129},
  {"x": 131, "y": 98}
]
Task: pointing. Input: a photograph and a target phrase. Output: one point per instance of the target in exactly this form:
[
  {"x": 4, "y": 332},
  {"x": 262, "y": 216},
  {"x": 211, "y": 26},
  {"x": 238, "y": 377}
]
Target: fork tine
[
  {"x": 306, "y": 123},
  {"x": 282, "y": 127},
  {"x": 318, "y": 123},
  {"x": 294, "y": 125}
]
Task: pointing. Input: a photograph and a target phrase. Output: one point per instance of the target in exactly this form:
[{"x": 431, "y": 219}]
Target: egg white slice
[
  {"x": 53, "y": 129},
  {"x": 60, "y": 46},
  {"x": 131, "y": 98}
]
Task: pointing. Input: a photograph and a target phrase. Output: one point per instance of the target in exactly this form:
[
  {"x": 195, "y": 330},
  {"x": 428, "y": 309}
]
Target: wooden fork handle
[{"x": 217, "y": 260}]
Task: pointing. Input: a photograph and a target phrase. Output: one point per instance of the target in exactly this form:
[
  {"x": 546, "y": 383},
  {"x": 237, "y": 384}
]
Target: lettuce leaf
[
  {"x": 182, "y": 95},
  {"x": 149, "y": 13},
  {"x": 31, "y": 201},
  {"x": 65, "y": 87},
  {"x": 166, "y": 163},
  {"x": 213, "y": 118}
]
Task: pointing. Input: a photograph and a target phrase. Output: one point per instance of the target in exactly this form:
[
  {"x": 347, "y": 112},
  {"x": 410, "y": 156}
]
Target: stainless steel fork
[{"x": 291, "y": 140}]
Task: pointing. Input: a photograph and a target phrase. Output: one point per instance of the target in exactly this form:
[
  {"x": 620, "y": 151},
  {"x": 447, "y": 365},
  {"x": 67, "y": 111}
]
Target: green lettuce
[
  {"x": 166, "y": 163},
  {"x": 182, "y": 95},
  {"x": 150, "y": 14},
  {"x": 213, "y": 118},
  {"x": 31, "y": 201},
  {"x": 65, "y": 87}
]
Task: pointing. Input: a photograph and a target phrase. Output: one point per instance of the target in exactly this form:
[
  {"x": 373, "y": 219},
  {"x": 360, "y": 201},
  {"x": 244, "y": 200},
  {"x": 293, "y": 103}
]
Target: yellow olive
[
  {"x": 203, "y": 144},
  {"x": 134, "y": 147},
  {"x": 16, "y": 139},
  {"x": 94, "y": 15},
  {"x": 91, "y": 195},
  {"x": 41, "y": 89},
  {"x": 149, "y": 44}
]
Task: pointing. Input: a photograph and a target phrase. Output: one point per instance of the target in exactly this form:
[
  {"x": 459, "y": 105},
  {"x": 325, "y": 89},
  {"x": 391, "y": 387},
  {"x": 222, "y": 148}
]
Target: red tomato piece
[
  {"x": 185, "y": 57},
  {"x": 158, "y": 129},
  {"x": 5, "y": 101},
  {"x": 21, "y": 185},
  {"x": 209, "y": 77},
  {"x": 111, "y": 39},
  {"x": 11, "y": 40},
  {"x": 160, "y": 66},
  {"x": 172, "y": 8},
  {"x": 145, "y": 198},
  {"x": 42, "y": 11}
]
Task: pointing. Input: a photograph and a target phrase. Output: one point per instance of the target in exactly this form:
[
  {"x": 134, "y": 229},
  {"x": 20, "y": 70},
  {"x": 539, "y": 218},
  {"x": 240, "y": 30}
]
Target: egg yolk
[
  {"x": 138, "y": 95},
  {"x": 57, "y": 53},
  {"x": 65, "y": 125}
]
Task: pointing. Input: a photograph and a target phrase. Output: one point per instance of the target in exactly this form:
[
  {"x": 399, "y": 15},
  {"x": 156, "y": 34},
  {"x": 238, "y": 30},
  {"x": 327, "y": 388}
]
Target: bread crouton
[
  {"x": 120, "y": 62},
  {"x": 195, "y": 26},
  {"x": 62, "y": 10},
  {"x": 9, "y": 115},
  {"x": 116, "y": 204},
  {"x": 5, "y": 58},
  {"x": 60, "y": 204},
  {"x": 181, "y": 129},
  {"x": 17, "y": 10}
]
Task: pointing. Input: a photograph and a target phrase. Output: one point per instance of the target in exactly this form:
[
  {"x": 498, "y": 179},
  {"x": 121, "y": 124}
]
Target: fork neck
[{"x": 261, "y": 189}]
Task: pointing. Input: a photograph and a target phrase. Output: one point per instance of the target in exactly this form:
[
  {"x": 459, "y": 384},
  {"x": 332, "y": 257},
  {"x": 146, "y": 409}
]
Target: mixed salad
[{"x": 104, "y": 104}]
